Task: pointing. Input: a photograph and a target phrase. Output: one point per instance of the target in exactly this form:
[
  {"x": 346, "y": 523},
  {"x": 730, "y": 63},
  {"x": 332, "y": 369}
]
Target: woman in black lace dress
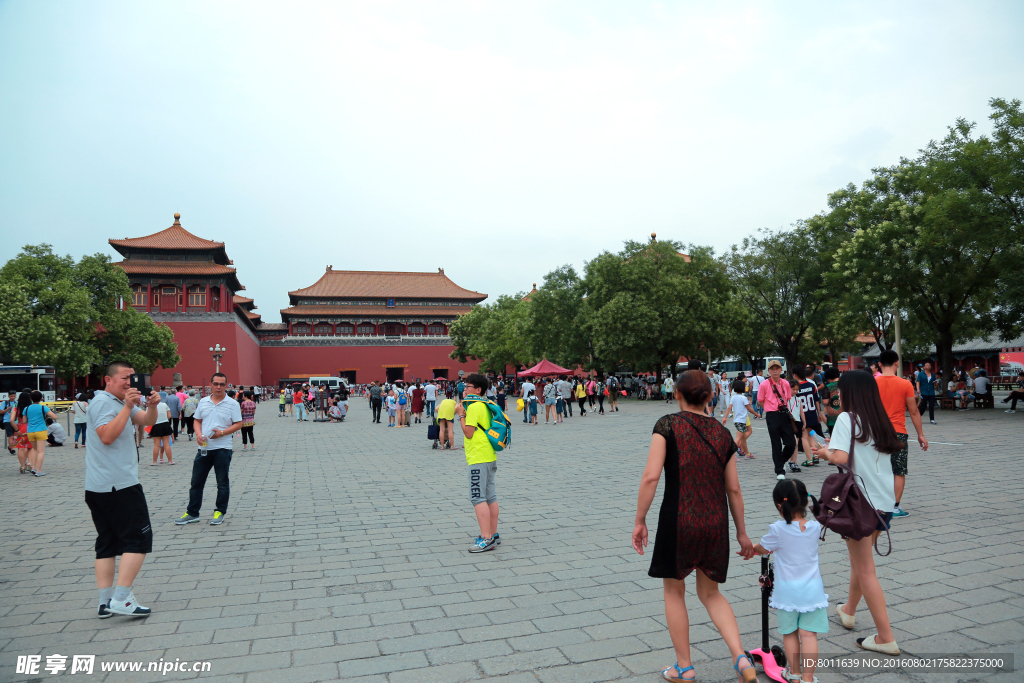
[{"x": 696, "y": 453}]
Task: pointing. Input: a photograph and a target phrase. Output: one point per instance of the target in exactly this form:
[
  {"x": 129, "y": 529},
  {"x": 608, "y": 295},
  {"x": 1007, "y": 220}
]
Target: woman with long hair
[
  {"x": 864, "y": 429},
  {"x": 701, "y": 488}
]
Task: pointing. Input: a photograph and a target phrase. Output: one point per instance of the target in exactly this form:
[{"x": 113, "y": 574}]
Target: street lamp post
[{"x": 217, "y": 352}]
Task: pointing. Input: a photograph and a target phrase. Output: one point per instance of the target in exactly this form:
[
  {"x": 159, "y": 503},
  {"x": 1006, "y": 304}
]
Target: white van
[{"x": 332, "y": 383}]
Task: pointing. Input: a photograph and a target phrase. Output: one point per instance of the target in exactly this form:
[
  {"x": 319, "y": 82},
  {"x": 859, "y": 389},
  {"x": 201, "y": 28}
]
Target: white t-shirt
[
  {"x": 874, "y": 468},
  {"x": 755, "y": 383},
  {"x": 981, "y": 385},
  {"x": 81, "y": 409},
  {"x": 798, "y": 586},
  {"x": 162, "y": 411},
  {"x": 527, "y": 387},
  {"x": 431, "y": 392},
  {"x": 57, "y": 432},
  {"x": 739, "y": 408},
  {"x": 218, "y": 416}
]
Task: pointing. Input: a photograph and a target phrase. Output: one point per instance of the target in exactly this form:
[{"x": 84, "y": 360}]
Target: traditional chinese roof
[
  {"x": 273, "y": 327},
  {"x": 181, "y": 269},
  {"x": 531, "y": 292},
  {"x": 174, "y": 238},
  {"x": 385, "y": 284},
  {"x": 245, "y": 303},
  {"x": 425, "y": 312}
]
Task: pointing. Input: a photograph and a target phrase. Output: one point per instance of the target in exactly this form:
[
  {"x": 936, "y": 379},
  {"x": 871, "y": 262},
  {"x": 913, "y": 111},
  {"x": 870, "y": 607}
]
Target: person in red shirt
[
  {"x": 773, "y": 397},
  {"x": 898, "y": 399}
]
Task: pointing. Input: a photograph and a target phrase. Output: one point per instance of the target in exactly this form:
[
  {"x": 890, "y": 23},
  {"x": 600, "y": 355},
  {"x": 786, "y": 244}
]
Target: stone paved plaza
[{"x": 344, "y": 557}]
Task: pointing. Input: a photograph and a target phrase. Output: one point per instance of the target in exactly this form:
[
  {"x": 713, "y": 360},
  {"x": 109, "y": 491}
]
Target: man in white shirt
[
  {"x": 217, "y": 417},
  {"x": 564, "y": 388},
  {"x": 755, "y": 385},
  {"x": 525, "y": 390},
  {"x": 430, "y": 397}
]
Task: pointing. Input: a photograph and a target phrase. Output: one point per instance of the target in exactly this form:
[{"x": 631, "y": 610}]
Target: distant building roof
[
  {"x": 425, "y": 312},
  {"x": 174, "y": 238},
  {"x": 273, "y": 327},
  {"x": 531, "y": 292},
  {"x": 245, "y": 303},
  {"x": 375, "y": 283},
  {"x": 990, "y": 344}
]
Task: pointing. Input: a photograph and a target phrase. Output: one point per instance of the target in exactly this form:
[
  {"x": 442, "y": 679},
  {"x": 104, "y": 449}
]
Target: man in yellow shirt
[{"x": 482, "y": 462}]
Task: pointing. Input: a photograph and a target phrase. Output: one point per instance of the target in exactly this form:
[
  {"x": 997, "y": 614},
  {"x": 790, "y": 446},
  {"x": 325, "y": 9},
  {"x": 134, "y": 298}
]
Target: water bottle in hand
[{"x": 203, "y": 442}]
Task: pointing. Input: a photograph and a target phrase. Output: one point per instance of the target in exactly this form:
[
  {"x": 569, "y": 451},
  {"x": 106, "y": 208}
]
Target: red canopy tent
[{"x": 543, "y": 368}]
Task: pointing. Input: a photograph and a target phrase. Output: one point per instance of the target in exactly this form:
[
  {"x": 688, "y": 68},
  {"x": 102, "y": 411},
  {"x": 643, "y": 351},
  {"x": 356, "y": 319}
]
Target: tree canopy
[{"x": 54, "y": 311}]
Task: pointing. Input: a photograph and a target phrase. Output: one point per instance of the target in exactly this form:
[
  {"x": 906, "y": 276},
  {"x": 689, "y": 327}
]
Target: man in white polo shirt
[
  {"x": 217, "y": 417},
  {"x": 112, "y": 489}
]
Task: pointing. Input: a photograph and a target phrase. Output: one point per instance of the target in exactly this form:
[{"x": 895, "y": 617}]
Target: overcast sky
[{"x": 498, "y": 140}]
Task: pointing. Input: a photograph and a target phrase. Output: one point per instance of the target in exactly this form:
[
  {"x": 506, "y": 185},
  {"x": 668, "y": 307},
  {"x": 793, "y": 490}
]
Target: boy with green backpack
[{"x": 486, "y": 430}]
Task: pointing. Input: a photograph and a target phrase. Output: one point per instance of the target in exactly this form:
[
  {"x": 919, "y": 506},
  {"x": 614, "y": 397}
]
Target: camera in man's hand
[{"x": 140, "y": 382}]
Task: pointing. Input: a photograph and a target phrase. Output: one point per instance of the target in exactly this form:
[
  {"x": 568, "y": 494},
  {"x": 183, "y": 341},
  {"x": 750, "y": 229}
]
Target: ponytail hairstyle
[{"x": 790, "y": 495}]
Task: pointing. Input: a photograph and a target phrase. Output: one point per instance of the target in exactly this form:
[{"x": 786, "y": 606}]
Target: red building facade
[{"x": 362, "y": 325}]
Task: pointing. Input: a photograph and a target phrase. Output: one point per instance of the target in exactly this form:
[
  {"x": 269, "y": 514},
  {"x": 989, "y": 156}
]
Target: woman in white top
[
  {"x": 875, "y": 441},
  {"x": 80, "y": 408},
  {"x": 160, "y": 432}
]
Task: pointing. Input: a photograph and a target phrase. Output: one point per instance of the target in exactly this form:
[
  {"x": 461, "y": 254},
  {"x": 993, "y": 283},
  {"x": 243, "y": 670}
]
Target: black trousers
[
  {"x": 247, "y": 437},
  {"x": 1013, "y": 398},
  {"x": 190, "y": 426},
  {"x": 375, "y": 408},
  {"x": 583, "y": 411},
  {"x": 175, "y": 422},
  {"x": 567, "y": 407},
  {"x": 600, "y": 402},
  {"x": 930, "y": 402},
  {"x": 219, "y": 460},
  {"x": 780, "y": 431}
]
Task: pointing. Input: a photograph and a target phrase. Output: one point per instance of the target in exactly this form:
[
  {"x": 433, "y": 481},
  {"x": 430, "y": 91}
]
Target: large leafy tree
[
  {"x": 779, "y": 279},
  {"x": 936, "y": 234},
  {"x": 558, "y": 320},
  {"x": 649, "y": 304},
  {"x": 495, "y": 334},
  {"x": 66, "y": 314}
]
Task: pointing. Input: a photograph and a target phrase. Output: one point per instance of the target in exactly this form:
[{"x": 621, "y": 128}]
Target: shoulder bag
[
  {"x": 783, "y": 408},
  {"x": 845, "y": 507}
]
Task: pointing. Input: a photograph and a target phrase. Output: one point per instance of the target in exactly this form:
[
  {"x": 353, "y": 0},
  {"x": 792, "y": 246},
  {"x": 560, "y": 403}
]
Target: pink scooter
[{"x": 773, "y": 658}]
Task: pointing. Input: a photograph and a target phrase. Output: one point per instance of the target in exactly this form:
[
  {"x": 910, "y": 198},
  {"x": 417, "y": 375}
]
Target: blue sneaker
[
  {"x": 497, "y": 539},
  {"x": 900, "y": 512},
  {"x": 482, "y": 545}
]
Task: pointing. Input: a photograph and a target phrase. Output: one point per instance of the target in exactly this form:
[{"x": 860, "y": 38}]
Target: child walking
[
  {"x": 798, "y": 595},
  {"x": 482, "y": 462},
  {"x": 531, "y": 400},
  {"x": 740, "y": 417},
  {"x": 392, "y": 409}
]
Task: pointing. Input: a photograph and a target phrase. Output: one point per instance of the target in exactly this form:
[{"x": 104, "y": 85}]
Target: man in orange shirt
[{"x": 898, "y": 398}]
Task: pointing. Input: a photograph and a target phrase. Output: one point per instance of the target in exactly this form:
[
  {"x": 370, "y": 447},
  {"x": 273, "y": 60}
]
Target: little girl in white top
[{"x": 798, "y": 594}]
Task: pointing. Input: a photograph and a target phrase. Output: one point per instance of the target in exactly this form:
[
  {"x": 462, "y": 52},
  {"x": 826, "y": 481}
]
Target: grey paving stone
[{"x": 343, "y": 583}]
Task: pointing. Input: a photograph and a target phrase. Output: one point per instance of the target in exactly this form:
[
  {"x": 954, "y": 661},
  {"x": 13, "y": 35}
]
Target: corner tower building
[{"x": 362, "y": 325}]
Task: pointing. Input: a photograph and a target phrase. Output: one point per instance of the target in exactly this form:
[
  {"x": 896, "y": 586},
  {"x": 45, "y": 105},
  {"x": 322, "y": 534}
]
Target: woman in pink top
[{"x": 773, "y": 396}]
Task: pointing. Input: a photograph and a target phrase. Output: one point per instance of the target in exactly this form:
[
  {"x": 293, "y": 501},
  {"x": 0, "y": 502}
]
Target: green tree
[
  {"x": 649, "y": 304},
  {"x": 69, "y": 315},
  {"x": 936, "y": 234},
  {"x": 558, "y": 320},
  {"x": 495, "y": 334},
  {"x": 779, "y": 278}
]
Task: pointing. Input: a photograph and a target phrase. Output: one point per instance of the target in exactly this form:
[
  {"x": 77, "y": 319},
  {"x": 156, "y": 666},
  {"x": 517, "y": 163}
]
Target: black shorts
[
  {"x": 122, "y": 522},
  {"x": 9, "y": 430}
]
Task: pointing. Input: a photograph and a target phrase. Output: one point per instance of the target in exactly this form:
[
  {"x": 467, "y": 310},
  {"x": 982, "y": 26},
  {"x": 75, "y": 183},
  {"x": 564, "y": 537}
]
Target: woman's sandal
[
  {"x": 679, "y": 673},
  {"x": 749, "y": 673}
]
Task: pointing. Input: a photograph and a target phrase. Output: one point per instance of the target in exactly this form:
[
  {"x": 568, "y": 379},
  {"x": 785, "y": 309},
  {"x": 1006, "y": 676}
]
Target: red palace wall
[
  {"x": 241, "y": 363},
  {"x": 280, "y": 362}
]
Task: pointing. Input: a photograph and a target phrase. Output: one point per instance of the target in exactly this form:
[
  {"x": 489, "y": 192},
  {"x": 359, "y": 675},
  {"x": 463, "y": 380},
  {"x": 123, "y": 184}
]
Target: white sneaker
[
  {"x": 934, "y": 422},
  {"x": 1009, "y": 411},
  {"x": 780, "y": 477},
  {"x": 128, "y": 606}
]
